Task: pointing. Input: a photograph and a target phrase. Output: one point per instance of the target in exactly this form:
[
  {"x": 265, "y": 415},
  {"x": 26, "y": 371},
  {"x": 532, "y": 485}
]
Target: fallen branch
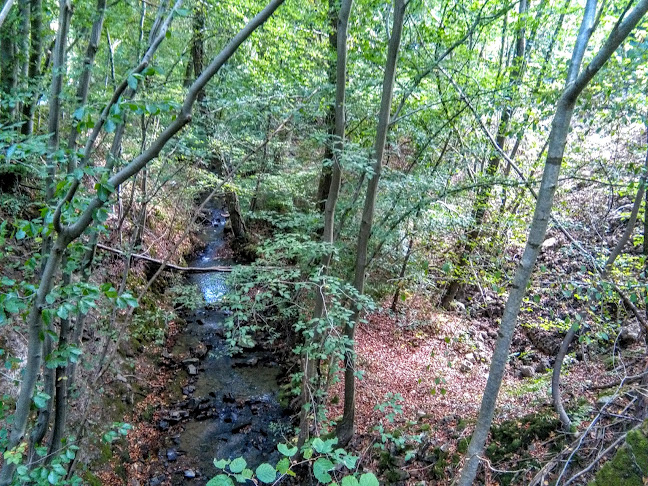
[{"x": 170, "y": 266}]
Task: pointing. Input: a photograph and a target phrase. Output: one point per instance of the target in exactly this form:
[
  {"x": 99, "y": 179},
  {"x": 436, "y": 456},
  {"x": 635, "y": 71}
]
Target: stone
[
  {"x": 190, "y": 474},
  {"x": 630, "y": 333},
  {"x": 192, "y": 370},
  {"x": 172, "y": 455},
  {"x": 157, "y": 480},
  {"x": 542, "y": 366},
  {"x": 163, "y": 425},
  {"x": 465, "y": 366},
  {"x": 527, "y": 371},
  {"x": 604, "y": 400},
  {"x": 549, "y": 243}
]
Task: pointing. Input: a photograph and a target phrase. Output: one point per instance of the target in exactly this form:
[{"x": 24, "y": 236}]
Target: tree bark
[
  {"x": 311, "y": 359},
  {"x": 557, "y": 141},
  {"x": 34, "y": 70},
  {"x": 324, "y": 184},
  {"x": 346, "y": 428}
]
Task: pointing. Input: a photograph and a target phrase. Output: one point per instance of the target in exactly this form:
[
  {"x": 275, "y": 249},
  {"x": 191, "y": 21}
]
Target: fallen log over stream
[{"x": 170, "y": 266}]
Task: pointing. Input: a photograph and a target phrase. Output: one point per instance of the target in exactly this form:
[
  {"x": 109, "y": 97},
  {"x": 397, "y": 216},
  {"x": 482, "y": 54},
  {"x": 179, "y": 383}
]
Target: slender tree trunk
[
  {"x": 401, "y": 276},
  {"x": 557, "y": 141},
  {"x": 311, "y": 359},
  {"x": 231, "y": 200},
  {"x": 555, "y": 380},
  {"x": 44, "y": 414},
  {"x": 324, "y": 184},
  {"x": 8, "y": 63},
  {"x": 83, "y": 87},
  {"x": 484, "y": 194},
  {"x": 34, "y": 70},
  {"x": 346, "y": 427}
]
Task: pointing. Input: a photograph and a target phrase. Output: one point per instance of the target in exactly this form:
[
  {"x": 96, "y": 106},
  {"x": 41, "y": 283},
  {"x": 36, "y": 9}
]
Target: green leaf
[
  {"x": 110, "y": 126},
  {"x": 222, "y": 464},
  {"x": 132, "y": 82},
  {"x": 53, "y": 478},
  {"x": 283, "y": 466},
  {"x": 321, "y": 467},
  {"x": 41, "y": 399},
  {"x": 237, "y": 465},
  {"x": 266, "y": 473},
  {"x": 368, "y": 479},
  {"x": 220, "y": 480},
  {"x": 287, "y": 451},
  {"x": 349, "y": 481},
  {"x": 62, "y": 312}
]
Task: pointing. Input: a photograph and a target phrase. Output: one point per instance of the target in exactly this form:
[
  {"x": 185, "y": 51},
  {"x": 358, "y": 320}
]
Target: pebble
[
  {"x": 157, "y": 480},
  {"x": 527, "y": 371},
  {"x": 190, "y": 474},
  {"x": 172, "y": 455}
]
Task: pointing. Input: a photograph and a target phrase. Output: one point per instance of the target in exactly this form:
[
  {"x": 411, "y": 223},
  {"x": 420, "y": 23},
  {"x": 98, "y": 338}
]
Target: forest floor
[{"x": 438, "y": 363}]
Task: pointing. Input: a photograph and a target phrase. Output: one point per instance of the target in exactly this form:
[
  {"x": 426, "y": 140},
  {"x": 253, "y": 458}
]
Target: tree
[
  {"x": 346, "y": 428},
  {"x": 311, "y": 359},
  {"x": 576, "y": 81}
]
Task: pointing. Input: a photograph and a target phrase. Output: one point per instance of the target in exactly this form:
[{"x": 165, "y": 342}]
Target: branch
[
  {"x": 170, "y": 266},
  {"x": 75, "y": 230},
  {"x": 5, "y": 11}
]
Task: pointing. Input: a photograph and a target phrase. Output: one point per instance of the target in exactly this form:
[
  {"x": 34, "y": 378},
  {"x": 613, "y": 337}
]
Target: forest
[{"x": 323, "y": 242}]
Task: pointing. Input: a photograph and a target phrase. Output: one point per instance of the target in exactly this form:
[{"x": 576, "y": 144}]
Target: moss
[
  {"x": 385, "y": 460},
  {"x": 105, "y": 453},
  {"x": 91, "y": 480},
  {"x": 629, "y": 466},
  {"x": 511, "y": 436},
  {"x": 462, "y": 446},
  {"x": 425, "y": 428}
]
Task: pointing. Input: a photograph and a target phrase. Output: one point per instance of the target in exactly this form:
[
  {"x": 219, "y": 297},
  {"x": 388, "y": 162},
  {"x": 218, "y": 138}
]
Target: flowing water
[{"x": 230, "y": 405}]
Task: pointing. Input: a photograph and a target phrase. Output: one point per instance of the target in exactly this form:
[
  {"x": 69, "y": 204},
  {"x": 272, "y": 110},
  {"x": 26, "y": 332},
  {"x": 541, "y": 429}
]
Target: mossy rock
[
  {"x": 629, "y": 466},
  {"x": 511, "y": 436}
]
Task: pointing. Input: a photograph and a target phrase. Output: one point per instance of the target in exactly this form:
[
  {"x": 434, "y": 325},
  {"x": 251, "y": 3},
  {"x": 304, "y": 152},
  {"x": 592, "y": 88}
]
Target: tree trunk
[
  {"x": 8, "y": 62},
  {"x": 231, "y": 200},
  {"x": 311, "y": 359},
  {"x": 483, "y": 197},
  {"x": 557, "y": 142},
  {"x": 34, "y": 70},
  {"x": 401, "y": 276},
  {"x": 324, "y": 184},
  {"x": 346, "y": 427}
]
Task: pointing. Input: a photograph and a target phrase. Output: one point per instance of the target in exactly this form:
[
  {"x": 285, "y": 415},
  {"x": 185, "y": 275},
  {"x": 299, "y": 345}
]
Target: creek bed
[{"x": 230, "y": 404}]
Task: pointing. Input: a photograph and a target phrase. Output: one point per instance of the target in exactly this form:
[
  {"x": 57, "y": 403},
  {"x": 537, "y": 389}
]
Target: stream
[{"x": 229, "y": 406}]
